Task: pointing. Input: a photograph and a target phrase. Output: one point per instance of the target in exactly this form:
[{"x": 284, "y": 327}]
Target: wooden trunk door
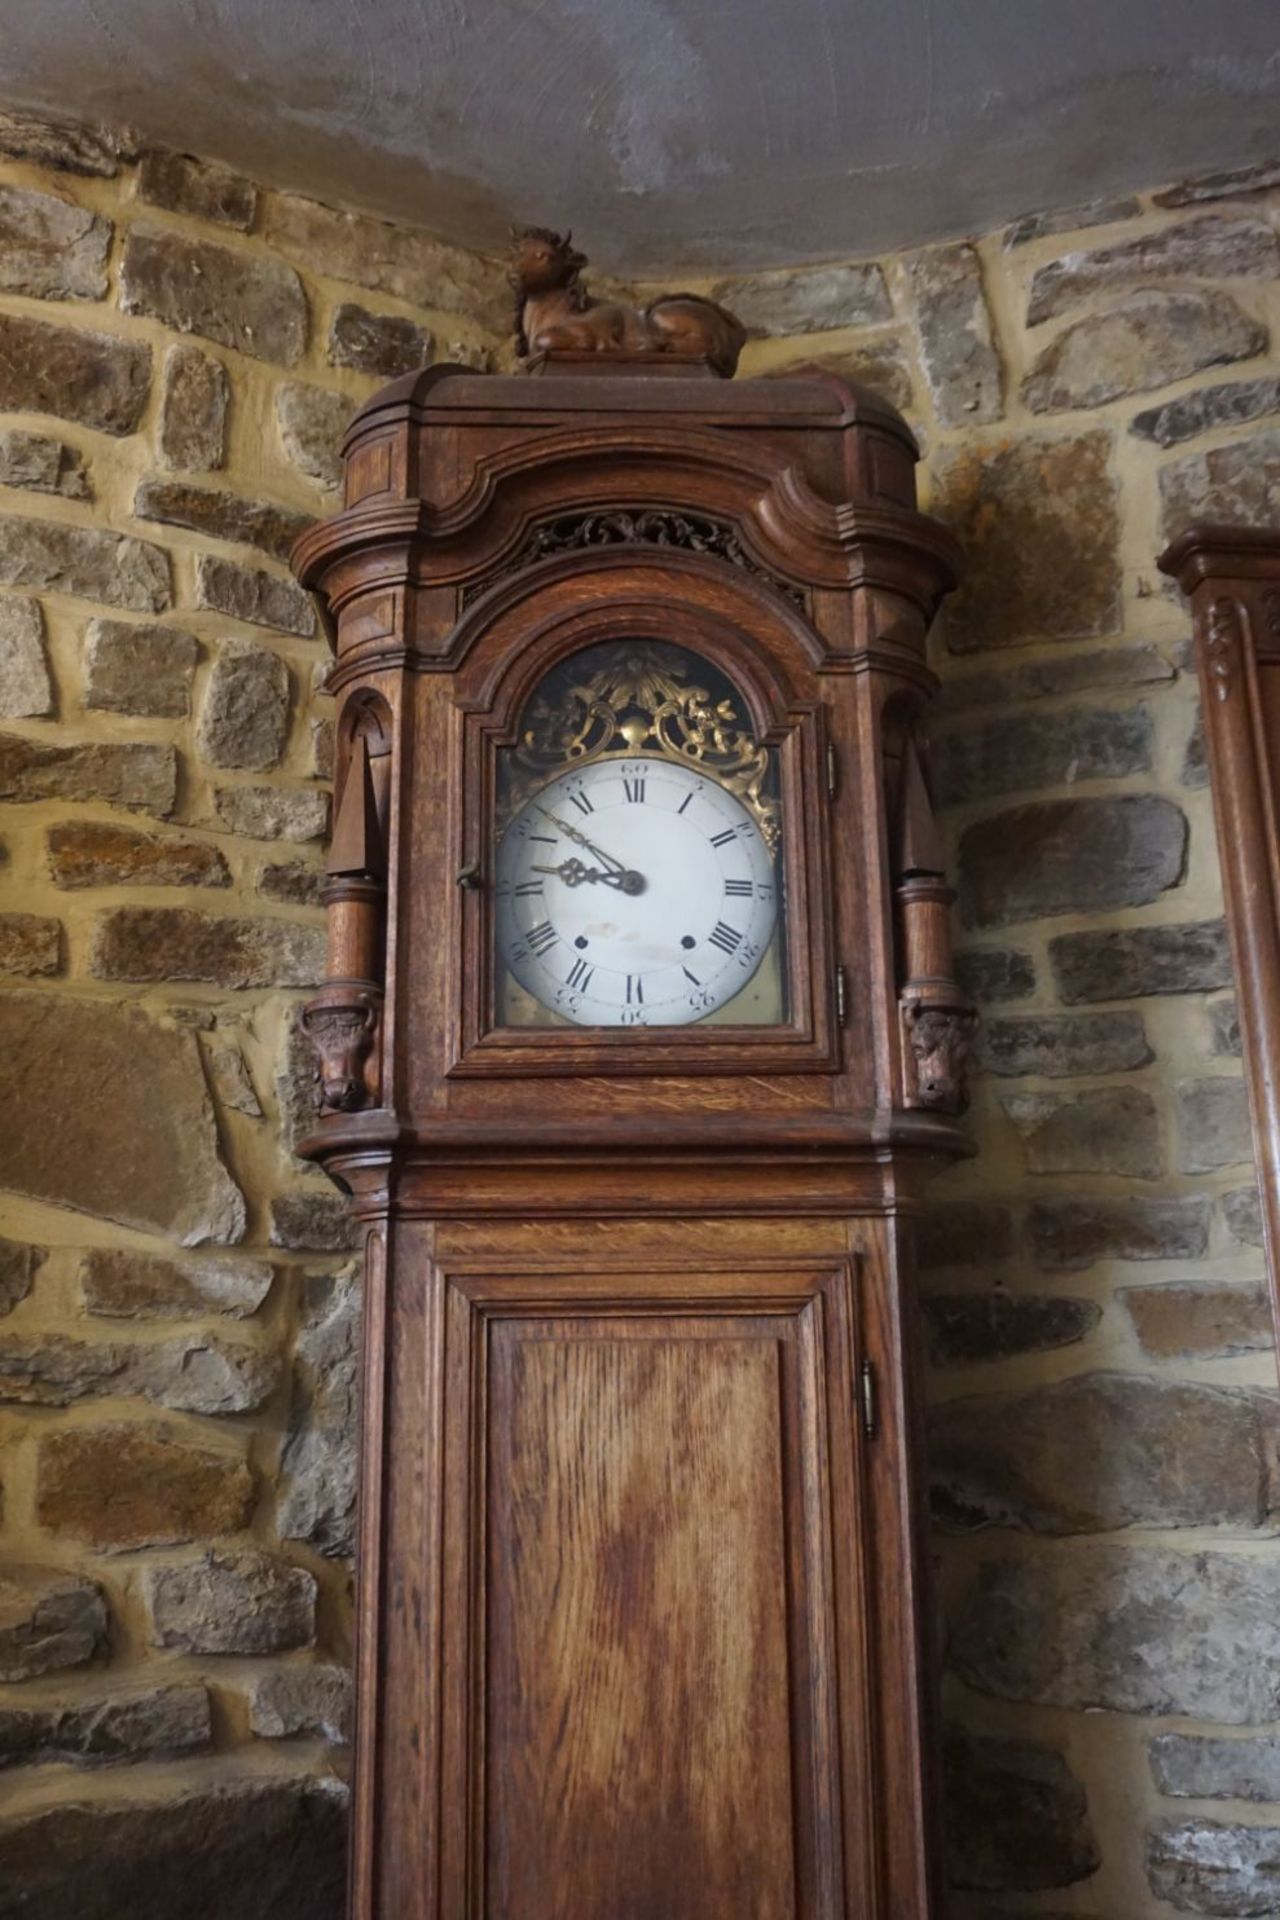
[{"x": 656, "y": 1708}]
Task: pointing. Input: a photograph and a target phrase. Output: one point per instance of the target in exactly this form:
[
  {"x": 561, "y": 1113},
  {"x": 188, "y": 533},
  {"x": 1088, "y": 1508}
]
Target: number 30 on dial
[{"x": 636, "y": 892}]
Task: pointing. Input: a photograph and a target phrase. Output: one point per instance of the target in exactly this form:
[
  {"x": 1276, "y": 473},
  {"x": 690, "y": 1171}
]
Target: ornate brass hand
[
  {"x": 624, "y": 878},
  {"x": 575, "y": 874}
]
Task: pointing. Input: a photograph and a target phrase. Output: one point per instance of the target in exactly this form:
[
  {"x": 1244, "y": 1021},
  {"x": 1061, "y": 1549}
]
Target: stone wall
[
  {"x": 179, "y": 353},
  {"x": 1105, "y": 1414}
]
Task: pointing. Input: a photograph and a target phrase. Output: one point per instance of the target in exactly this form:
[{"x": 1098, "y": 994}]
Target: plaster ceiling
[{"x": 674, "y": 133}]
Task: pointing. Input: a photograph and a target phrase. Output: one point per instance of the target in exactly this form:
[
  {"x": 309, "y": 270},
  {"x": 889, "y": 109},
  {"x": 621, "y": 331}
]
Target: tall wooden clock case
[{"x": 638, "y": 1042}]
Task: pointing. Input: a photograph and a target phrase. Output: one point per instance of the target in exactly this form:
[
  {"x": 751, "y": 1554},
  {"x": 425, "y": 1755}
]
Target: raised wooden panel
[{"x": 646, "y": 1717}]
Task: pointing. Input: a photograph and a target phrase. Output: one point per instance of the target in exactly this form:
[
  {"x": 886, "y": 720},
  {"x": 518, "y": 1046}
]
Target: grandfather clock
[{"x": 639, "y": 1041}]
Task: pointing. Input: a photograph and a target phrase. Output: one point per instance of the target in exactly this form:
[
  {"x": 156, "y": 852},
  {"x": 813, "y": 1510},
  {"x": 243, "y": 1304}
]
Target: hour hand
[{"x": 575, "y": 874}]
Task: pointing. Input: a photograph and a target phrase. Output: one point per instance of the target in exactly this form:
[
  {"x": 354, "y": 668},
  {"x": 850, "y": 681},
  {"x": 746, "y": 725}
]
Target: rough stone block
[
  {"x": 26, "y": 690},
  {"x": 1201, "y": 1320},
  {"x": 18, "y": 1265},
  {"x": 123, "y": 1284},
  {"x": 249, "y": 593},
  {"x": 143, "y": 777},
  {"x": 301, "y": 1700},
  {"x": 273, "y": 813},
  {"x": 963, "y": 1233},
  {"x": 195, "y": 399},
  {"x": 293, "y": 883},
  {"x": 1207, "y": 1866},
  {"x": 403, "y": 261},
  {"x": 1068, "y": 1235},
  {"x": 273, "y": 1847},
  {"x": 49, "y": 1620},
  {"x": 1107, "y": 1130},
  {"x": 317, "y": 1494},
  {"x": 1198, "y": 1767},
  {"x": 1152, "y": 340},
  {"x": 1100, "y": 1452},
  {"x": 1213, "y": 1122},
  {"x": 146, "y": 1723},
  {"x": 30, "y": 944},
  {"x": 1225, "y": 1038},
  {"x": 1043, "y": 750},
  {"x": 139, "y": 669},
  {"x": 244, "y": 721},
  {"x": 50, "y": 249},
  {"x": 878, "y": 361},
  {"x": 1210, "y": 248},
  {"x": 1195, "y": 763},
  {"x": 1229, "y": 405},
  {"x": 312, "y": 421},
  {"x": 243, "y": 1602},
  {"x": 157, "y": 1168},
  {"x": 1111, "y": 667},
  {"x": 197, "y": 1373},
  {"x": 1243, "y": 1216},
  {"x": 1038, "y": 519},
  {"x": 297, "y": 1086},
  {"x": 177, "y": 943},
  {"x": 221, "y": 515},
  {"x": 1232, "y": 184},
  {"x": 89, "y": 562},
  {"x": 125, "y": 1486},
  {"x": 1095, "y": 213},
  {"x": 1058, "y": 1044},
  {"x": 1131, "y": 962},
  {"x": 1128, "y": 1629},
  {"x": 244, "y": 300},
  {"x": 201, "y": 188},
  {"x": 956, "y": 346},
  {"x": 1070, "y": 856},
  {"x": 808, "y": 299},
  {"x": 381, "y": 343},
  {"x": 315, "y": 1220},
  {"x": 38, "y": 464},
  {"x": 995, "y": 974},
  {"x": 1237, "y": 485},
  {"x": 89, "y": 853},
  {"x": 95, "y": 379},
  {"x": 973, "y": 1327},
  {"x": 1016, "y": 1816},
  {"x": 63, "y": 146}
]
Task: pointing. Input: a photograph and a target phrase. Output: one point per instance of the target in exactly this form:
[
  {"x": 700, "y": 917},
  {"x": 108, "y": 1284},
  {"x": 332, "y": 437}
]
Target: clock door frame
[{"x": 747, "y": 632}]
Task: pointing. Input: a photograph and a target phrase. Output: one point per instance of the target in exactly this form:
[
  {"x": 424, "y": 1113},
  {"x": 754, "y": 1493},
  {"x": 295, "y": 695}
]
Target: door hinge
[
  {"x": 833, "y": 771},
  {"x": 842, "y": 996},
  {"x": 868, "y": 1379}
]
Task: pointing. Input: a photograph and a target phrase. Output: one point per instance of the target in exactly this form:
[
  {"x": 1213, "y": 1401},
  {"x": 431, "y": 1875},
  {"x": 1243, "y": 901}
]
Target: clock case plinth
[{"x": 572, "y": 1233}]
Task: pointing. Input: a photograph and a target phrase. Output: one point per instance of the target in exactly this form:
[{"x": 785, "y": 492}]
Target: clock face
[{"x": 636, "y": 892}]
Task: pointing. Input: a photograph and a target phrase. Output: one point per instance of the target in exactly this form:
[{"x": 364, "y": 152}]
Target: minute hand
[{"x": 581, "y": 840}]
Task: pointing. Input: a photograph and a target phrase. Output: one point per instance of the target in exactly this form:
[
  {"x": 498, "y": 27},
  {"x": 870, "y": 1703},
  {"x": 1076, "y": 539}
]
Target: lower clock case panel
[{"x": 638, "y": 1540}]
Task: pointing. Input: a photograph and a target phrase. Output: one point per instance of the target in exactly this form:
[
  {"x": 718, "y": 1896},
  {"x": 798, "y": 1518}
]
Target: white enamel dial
[{"x": 636, "y": 892}]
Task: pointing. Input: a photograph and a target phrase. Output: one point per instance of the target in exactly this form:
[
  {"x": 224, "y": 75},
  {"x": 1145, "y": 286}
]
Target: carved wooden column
[{"x": 1232, "y": 578}]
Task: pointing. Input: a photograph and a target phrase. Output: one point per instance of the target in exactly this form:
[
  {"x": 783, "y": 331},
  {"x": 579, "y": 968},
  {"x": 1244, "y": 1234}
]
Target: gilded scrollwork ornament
[{"x": 640, "y": 699}]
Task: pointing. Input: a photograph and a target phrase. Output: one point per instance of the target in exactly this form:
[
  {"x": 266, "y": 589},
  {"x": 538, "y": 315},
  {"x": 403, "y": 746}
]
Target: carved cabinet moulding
[{"x": 639, "y": 971}]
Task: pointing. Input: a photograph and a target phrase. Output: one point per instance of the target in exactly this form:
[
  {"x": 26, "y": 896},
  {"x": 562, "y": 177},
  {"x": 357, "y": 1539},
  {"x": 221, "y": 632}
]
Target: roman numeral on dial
[
  {"x": 527, "y": 888},
  {"x": 723, "y": 839},
  {"x": 580, "y": 975},
  {"x": 635, "y": 990},
  {"x": 738, "y": 889},
  {"x": 540, "y": 938},
  {"x": 634, "y": 789},
  {"x": 582, "y": 803},
  {"x": 728, "y": 939}
]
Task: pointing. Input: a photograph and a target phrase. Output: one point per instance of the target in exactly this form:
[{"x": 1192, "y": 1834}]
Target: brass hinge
[
  {"x": 868, "y": 1380},
  {"x": 833, "y": 771},
  {"x": 842, "y": 996}
]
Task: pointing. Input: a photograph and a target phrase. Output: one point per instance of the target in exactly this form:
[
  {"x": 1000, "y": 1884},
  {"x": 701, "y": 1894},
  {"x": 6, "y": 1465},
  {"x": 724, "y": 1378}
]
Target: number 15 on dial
[{"x": 637, "y": 893}]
